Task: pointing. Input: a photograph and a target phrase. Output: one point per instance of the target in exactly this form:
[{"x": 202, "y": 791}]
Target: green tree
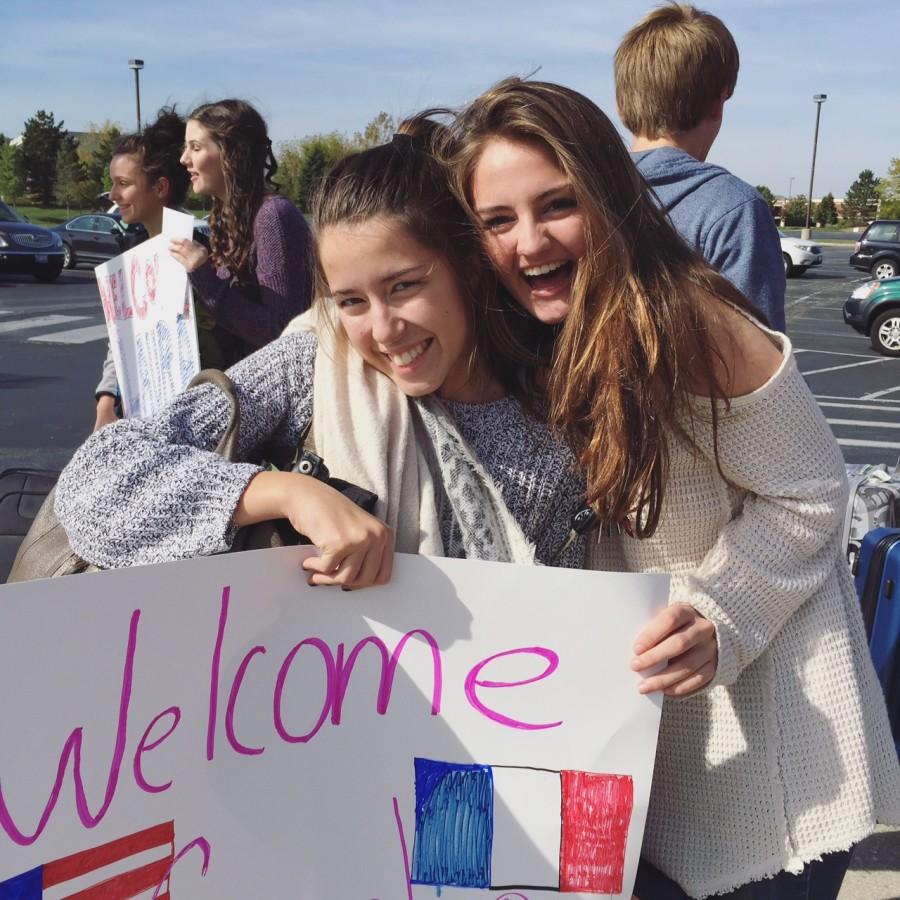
[
  {"x": 826, "y": 211},
  {"x": 313, "y": 168},
  {"x": 69, "y": 187},
  {"x": 889, "y": 192},
  {"x": 768, "y": 196},
  {"x": 12, "y": 173},
  {"x": 795, "y": 211},
  {"x": 293, "y": 160},
  {"x": 95, "y": 151},
  {"x": 41, "y": 141},
  {"x": 861, "y": 199},
  {"x": 379, "y": 131}
]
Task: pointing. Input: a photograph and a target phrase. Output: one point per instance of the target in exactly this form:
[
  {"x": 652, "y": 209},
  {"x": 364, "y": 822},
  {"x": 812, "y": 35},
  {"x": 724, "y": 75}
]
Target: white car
[{"x": 799, "y": 255}]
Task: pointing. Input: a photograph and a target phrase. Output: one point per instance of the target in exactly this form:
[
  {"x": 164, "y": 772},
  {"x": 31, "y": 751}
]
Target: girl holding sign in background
[
  {"x": 707, "y": 456},
  {"x": 257, "y": 274},
  {"x": 147, "y": 176},
  {"x": 395, "y": 369}
]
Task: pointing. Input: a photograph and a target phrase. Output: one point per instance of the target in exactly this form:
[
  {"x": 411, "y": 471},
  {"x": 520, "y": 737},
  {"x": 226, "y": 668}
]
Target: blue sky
[{"x": 314, "y": 66}]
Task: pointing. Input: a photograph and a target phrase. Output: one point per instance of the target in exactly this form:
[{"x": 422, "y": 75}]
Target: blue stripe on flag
[{"x": 454, "y": 824}]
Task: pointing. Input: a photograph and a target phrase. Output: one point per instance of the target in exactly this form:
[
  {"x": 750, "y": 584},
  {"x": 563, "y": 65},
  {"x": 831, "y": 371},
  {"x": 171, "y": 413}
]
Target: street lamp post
[
  {"x": 790, "y": 186},
  {"x": 137, "y": 65},
  {"x": 818, "y": 99}
]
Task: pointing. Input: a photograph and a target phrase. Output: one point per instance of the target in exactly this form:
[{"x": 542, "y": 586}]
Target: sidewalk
[{"x": 875, "y": 870}]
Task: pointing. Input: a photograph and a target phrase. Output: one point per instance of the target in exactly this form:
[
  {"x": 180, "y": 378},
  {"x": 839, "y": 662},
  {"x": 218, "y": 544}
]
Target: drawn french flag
[
  {"x": 128, "y": 867},
  {"x": 505, "y": 827}
]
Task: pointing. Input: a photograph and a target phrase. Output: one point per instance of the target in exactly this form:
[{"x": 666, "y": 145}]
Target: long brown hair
[
  {"x": 249, "y": 167},
  {"x": 405, "y": 182},
  {"x": 637, "y": 336}
]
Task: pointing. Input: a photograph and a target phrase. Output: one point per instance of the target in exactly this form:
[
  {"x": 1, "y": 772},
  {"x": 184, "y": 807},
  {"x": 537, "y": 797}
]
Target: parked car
[
  {"x": 799, "y": 255},
  {"x": 27, "y": 248},
  {"x": 878, "y": 250},
  {"x": 96, "y": 237},
  {"x": 873, "y": 309}
]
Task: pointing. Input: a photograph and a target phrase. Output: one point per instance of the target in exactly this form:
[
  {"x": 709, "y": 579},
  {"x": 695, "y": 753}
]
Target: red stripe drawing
[{"x": 596, "y": 812}]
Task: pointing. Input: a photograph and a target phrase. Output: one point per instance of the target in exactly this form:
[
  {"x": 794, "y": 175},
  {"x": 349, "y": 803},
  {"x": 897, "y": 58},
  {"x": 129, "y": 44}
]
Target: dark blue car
[
  {"x": 27, "y": 248},
  {"x": 97, "y": 237}
]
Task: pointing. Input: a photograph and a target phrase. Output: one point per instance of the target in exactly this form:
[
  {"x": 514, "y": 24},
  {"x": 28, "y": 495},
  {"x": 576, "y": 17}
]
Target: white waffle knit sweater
[{"x": 788, "y": 754}]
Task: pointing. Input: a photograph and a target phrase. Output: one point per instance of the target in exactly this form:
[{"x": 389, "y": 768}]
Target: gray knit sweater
[{"x": 151, "y": 490}]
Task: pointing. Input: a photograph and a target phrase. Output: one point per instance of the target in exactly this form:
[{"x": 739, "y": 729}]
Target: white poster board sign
[
  {"x": 216, "y": 728},
  {"x": 149, "y": 312}
]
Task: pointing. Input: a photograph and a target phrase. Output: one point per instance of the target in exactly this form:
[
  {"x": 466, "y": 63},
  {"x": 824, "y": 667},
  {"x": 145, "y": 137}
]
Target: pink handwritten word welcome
[{"x": 337, "y": 665}]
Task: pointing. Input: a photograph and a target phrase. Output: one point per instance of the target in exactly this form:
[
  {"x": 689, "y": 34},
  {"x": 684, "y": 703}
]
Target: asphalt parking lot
[{"x": 857, "y": 388}]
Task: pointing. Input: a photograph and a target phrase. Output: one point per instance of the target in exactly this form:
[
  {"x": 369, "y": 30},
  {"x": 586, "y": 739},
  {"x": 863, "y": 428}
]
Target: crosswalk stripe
[
  {"x": 73, "y": 336},
  {"x": 863, "y": 406},
  {"x": 848, "y": 442},
  {"x": 862, "y": 423},
  {"x": 38, "y": 322}
]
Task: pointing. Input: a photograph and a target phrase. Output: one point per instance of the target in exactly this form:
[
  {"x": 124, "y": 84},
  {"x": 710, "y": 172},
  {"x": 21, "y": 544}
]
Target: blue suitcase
[{"x": 877, "y": 572}]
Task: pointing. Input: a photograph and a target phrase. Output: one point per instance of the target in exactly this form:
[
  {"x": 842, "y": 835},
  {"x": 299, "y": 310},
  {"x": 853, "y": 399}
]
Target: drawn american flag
[{"x": 128, "y": 867}]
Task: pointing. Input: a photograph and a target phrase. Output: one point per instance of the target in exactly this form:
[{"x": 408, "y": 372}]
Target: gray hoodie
[{"x": 725, "y": 219}]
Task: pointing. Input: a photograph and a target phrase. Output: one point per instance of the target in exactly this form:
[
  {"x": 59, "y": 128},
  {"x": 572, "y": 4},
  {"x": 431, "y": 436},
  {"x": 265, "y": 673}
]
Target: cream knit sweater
[{"x": 788, "y": 754}]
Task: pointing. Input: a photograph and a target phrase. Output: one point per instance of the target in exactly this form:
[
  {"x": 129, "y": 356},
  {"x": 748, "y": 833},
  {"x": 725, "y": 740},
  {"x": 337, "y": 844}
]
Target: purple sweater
[{"x": 281, "y": 263}]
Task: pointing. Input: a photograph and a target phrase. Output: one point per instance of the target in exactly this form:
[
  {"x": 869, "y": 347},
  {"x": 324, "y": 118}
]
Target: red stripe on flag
[
  {"x": 596, "y": 813},
  {"x": 77, "y": 864},
  {"x": 129, "y": 884}
]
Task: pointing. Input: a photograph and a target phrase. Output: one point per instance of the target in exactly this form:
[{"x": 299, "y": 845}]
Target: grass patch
[{"x": 49, "y": 216}]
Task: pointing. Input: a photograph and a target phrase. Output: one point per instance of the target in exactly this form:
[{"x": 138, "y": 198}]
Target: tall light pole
[
  {"x": 137, "y": 65},
  {"x": 818, "y": 99},
  {"x": 790, "y": 186}
]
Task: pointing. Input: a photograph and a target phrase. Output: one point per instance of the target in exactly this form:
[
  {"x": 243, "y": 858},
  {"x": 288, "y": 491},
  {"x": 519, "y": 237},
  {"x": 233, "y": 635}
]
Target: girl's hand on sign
[
  {"x": 189, "y": 253},
  {"x": 687, "y": 640},
  {"x": 355, "y": 549}
]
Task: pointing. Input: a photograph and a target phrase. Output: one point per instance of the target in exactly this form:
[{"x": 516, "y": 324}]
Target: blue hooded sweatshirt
[{"x": 725, "y": 219}]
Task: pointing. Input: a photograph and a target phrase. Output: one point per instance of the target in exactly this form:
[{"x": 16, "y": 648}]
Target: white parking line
[
  {"x": 876, "y": 394},
  {"x": 862, "y": 423},
  {"x": 868, "y": 362},
  {"x": 73, "y": 336},
  {"x": 841, "y": 334},
  {"x": 836, "y": 353},
  {"x": 38, "y": 322},
  {"x": 847, "y": 442},
  {"x": 835, "y": 397},
  {"x": 858, "y": 406}
]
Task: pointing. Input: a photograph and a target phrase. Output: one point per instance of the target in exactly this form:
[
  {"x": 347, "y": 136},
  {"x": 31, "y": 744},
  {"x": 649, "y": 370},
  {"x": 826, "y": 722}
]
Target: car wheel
[
  {"x": 884, "y": 268},
  {"x": 49, "y": 272},
  {"x": 788, "y": 266},
  {"x": 68, "y": 257},
  {"x": 885, "y": 335}
]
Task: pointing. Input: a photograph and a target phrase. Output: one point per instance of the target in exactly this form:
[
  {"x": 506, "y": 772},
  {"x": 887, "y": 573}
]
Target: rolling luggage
[
  {"x": 874, "y": 503},
  {"x": 22, "y": 491},
  {"x": 877, "y": 574}
]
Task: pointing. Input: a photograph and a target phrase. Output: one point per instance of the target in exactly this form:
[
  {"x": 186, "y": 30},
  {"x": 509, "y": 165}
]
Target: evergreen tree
[
  {"x": 826, "y": 211},
  {"x": 768, "y": 196},
  {"x": 12, "y": 174},
  {"x": 69, "y": 186},
  {"x": 292, "y": 156},
  {"x": 95, "y": 152},
  {"x": 41, "y": 141},
  {"x": 861, "y": 198},
  {"x": 312, "y": 169}
]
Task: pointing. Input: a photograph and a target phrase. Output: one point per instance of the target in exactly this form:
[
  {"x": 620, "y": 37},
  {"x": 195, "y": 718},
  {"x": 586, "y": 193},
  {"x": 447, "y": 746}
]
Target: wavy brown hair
[
  {"x": 636, "y": 344},
  {"x": 249, "y": 167}
]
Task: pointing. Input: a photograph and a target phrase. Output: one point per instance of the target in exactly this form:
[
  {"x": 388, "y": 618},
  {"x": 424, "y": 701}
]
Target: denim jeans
[{"x": 819, "y": 880}]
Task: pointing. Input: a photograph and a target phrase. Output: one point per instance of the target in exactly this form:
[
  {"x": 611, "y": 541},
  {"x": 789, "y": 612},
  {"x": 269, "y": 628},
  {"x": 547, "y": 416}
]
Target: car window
[
  {"x": 82, "y": 223},
  {"x": 105, "y": 224},
  {"x": 885, "y": 231}
]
